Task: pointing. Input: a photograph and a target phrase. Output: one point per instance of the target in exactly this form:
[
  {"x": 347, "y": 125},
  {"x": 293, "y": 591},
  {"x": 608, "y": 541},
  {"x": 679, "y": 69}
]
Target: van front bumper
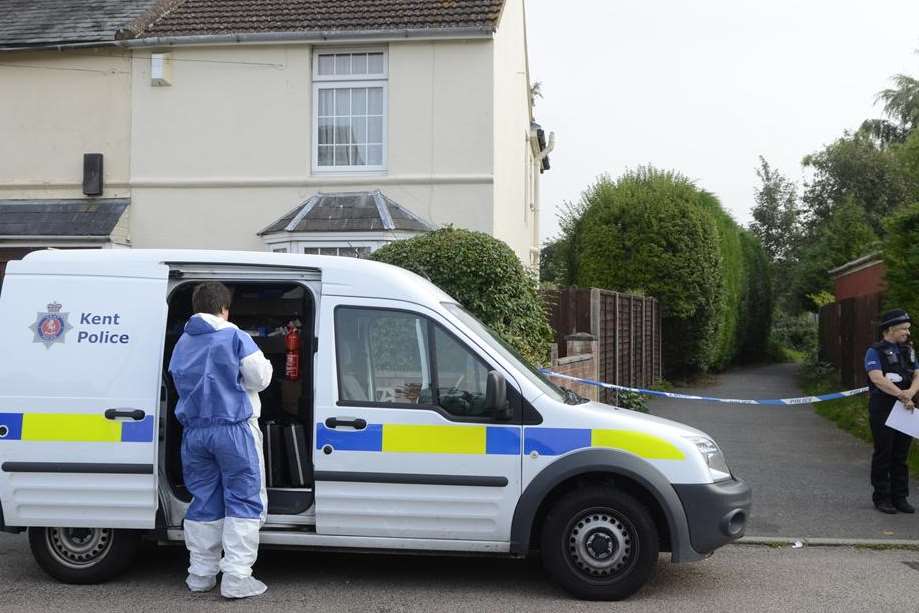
[{"x": 716, "y": 513}]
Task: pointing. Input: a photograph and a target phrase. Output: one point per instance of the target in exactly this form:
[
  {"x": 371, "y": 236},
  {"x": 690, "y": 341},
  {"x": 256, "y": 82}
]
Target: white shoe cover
[
  {"x": 197, "y": 583},
  {"x": 241, "y": 587},
  {"x": 204, "y": 542}
]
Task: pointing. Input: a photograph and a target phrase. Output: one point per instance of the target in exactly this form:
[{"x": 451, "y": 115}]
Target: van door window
[
  {"x": 382, "y": 356},
  {"x": 397, "y": 358},
  {"x": 461, "y": 377}
]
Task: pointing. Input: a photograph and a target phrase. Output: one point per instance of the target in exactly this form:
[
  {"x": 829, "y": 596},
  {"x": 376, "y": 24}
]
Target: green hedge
[
  {"x": 756, "y": 304},
  {"x": 901, "y": 254},
  {"x": 732, "y": 291},
  {"x": 647, "y": 233},
  {"x": 486, "y": 277},
  {"x": 656, "y": 233}
]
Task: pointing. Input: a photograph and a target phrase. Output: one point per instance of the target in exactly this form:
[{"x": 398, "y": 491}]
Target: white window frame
[
  {"x": 303, "y": 246},
  {"x": 317, "y": 51},
  {"x": 348, "y": 82}
]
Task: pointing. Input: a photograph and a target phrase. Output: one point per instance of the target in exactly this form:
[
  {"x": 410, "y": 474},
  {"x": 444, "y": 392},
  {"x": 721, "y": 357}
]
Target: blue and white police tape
[{"x": 774, "y": 401}]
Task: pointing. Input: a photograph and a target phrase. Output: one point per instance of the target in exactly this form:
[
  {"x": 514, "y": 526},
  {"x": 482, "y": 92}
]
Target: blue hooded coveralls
[{"x": 218, "y": 371}]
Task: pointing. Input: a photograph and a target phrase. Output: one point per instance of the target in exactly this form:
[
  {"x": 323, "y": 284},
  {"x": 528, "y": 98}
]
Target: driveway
[{"x": 809, "y": 478}]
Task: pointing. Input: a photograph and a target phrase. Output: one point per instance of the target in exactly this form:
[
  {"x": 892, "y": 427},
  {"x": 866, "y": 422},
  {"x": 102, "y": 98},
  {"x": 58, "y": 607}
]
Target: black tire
[
  {"x": 599, "y": 544},
  {"x": 83, "y": 555}
]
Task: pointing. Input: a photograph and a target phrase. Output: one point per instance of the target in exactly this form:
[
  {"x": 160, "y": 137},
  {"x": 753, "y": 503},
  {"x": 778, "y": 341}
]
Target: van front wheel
[
  {"x": 83, "y": 555},
  {"x": 600, "y": 544}
]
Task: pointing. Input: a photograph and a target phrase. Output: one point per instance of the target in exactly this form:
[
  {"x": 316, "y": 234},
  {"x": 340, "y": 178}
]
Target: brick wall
[
  {"x": 580, "y": 361},
  {"x": 862, "y": 281}
]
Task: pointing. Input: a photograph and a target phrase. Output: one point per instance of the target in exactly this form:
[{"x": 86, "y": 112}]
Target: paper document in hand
[{"x": 904, "y": 420}]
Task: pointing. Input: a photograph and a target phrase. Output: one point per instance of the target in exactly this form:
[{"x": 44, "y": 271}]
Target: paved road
[
  {"x": 737, "y": 578},
  {"x": 809, "y": 478}
]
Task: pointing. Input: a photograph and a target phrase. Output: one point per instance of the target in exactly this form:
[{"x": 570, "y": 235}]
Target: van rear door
[{"x": 79, "y": 391}]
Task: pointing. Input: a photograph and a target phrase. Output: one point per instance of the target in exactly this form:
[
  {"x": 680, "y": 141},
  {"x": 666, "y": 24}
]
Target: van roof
[{"x": 341, "y": 276}]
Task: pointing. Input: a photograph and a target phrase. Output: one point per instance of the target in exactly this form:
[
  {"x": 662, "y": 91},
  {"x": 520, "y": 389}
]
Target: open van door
[{"x": 80, "y": 374}]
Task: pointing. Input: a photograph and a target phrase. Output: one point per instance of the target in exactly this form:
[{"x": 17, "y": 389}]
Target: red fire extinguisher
[{"x": 292, "y": 342}]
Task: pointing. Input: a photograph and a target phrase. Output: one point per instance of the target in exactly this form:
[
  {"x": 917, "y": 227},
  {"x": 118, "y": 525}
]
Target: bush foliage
[
  {"x": 486, "y": 277},
  {"x": 656, "y": 233},
  {"x": 901, "y": 254}
]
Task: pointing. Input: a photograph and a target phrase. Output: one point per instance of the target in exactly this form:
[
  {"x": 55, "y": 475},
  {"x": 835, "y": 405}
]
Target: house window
[
  {"x": 350, "y": 252},
  {"x": 349, "y": 116}
]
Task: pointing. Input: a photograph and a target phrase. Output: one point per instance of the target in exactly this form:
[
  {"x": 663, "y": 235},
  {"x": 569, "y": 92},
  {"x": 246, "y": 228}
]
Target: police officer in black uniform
[{"x": 893, "y": 374}]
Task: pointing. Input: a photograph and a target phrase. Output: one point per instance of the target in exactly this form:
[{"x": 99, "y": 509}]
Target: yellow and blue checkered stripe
[
  {"x": 492, "y": 440},
  {"x": 73, "y": 428}
]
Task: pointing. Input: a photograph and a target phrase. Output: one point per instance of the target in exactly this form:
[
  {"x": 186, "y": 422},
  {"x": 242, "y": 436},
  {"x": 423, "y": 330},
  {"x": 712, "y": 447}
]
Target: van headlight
[{"x": 717, "y": 465}]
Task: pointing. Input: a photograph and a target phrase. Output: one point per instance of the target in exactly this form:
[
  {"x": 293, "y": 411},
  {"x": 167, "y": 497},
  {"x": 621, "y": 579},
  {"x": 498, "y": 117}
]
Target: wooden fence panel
[
  {"x": 627, "y": 328},
  {"x": 846, "y": 329}
]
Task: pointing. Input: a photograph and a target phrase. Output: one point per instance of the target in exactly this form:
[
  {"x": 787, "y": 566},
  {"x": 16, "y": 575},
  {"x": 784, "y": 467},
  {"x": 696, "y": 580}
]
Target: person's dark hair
[{"x": 210, "y": 297}]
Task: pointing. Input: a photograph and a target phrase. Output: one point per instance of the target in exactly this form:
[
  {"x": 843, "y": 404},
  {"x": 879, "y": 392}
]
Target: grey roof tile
[
  {"x": 348, "y": 212},
  {"x": 43, "y": 22},
  {"x": 61, "y": 217}
]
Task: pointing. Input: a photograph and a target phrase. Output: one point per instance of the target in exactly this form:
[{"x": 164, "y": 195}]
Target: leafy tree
[
  {"x": 907, "y": 156},
  {"x": 844, "y": 236},
  {"x": 901, "y": 107},
  {"x": 901, "y": 102},
  {"x": 552, "y": 262},
  {"x": 776, "y": 217},
  {"x": 854, "y": 166},
  {"x": 901, "y": 254},
  {"x": 486, "y": 277},
  {"x": 558, "y": 254}
]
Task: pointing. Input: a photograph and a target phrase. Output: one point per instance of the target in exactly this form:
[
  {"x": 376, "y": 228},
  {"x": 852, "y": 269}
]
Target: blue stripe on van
[
  {"x": 368, "y": 439},
  {"x": 502, "y": 440},
  {"x": 10, "y": 426},
  {"x": 555, "y": 441},
  {"x": 137, "y": 431}
]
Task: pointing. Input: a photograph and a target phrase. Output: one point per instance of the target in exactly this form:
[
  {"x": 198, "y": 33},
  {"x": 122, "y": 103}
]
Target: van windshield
[{"x": 507, "y": 352}]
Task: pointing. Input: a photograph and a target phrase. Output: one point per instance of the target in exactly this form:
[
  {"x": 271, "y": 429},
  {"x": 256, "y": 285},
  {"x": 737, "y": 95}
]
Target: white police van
[{"x": 408, "y": 425}]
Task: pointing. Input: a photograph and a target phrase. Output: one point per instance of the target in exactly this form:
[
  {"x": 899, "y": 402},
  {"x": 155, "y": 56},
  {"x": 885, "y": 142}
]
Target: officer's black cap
[{"x": 894, "y": 317}]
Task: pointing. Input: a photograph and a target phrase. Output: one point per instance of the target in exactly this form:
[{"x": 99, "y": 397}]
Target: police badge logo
[{"x": 50, "y": 327}]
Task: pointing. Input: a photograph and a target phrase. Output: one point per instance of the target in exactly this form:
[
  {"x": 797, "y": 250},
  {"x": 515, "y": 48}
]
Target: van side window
[
  {"x": 392, "y": 357},
  {"x": 382, "y": 356},
  {"x": 460, "y": 377}
]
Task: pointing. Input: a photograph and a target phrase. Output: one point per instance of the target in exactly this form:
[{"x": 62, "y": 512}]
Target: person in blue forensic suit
[
  {"x": 218, "y": 372},
  {"x": 893, "y": 375}
]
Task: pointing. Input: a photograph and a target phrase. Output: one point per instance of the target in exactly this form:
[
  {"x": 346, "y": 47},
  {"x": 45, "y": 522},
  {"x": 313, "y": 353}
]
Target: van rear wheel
[
  {"x": 600, "y": 544},
  {"x": 83, "y": 555}
]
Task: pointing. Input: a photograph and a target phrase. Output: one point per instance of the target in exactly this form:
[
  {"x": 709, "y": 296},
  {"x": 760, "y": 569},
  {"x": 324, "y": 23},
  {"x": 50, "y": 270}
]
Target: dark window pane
[
  {"x": 382, "y": 356},
  {"x": 461, "y": 377}
]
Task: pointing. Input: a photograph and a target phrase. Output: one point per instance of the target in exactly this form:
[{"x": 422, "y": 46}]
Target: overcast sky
[{"x": 706, "y": 86}]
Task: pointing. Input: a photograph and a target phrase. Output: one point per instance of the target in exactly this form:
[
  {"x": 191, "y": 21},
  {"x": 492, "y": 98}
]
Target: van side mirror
[{"x": 496, "y": 396}]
